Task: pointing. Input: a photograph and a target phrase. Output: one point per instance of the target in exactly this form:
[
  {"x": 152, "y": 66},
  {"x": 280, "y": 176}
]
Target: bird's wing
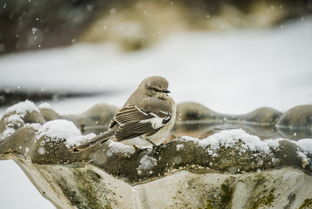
[{"x": 132, "y": 121}]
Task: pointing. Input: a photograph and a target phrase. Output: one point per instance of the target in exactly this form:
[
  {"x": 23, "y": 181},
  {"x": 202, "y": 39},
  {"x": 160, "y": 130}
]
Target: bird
[{"x": 148, "y": 113}]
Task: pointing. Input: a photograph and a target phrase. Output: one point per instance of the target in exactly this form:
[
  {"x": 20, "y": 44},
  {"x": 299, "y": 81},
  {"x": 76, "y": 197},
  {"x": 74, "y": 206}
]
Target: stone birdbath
[{"x": 262, "y": 159}]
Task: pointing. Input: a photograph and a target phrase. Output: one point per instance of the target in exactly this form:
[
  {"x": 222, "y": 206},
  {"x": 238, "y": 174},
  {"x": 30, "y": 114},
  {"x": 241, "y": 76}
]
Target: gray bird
[{"x": 149, "y": 113}]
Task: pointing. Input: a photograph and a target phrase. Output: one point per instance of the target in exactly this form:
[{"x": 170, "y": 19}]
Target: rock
[{"x": 299, "y": 117}]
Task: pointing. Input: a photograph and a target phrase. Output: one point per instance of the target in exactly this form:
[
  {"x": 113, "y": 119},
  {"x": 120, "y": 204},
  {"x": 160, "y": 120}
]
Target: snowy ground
[{"x": 229, "y": 72}]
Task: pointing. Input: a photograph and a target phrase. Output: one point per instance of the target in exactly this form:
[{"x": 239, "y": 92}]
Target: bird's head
[{"x": 155, "y": 85}]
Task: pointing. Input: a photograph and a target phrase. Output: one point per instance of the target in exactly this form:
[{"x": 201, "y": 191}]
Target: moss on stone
[
  {"x": 307, "y": 204},
  {"x": 219, "y": 198},
  {"x": 70, "y": 193},
  {"x": 260, "y": 180},
  {"x": 226, "y": 195},
  {"x": 265, "y": 200},
  {"x": 85, "y": 193},
  {"x": 87, "y": 188},
  {"x": 94, "y": 176}
]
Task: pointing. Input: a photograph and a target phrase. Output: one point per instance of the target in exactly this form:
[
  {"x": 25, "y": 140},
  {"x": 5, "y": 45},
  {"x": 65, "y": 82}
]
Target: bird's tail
[{"x": 103, "y": 137}]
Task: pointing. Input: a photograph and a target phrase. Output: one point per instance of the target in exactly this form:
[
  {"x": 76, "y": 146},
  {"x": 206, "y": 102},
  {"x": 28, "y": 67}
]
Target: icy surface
[{"x": 63, "y": 129}]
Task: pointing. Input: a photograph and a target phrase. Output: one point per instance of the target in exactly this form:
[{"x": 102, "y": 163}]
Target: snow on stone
[
  {"x": 60, "y": 129},
  {"x": 305, "y": 145},
  {"x": 63, "y": 129},
  {"x": 304, "y": 159},
  {"x": 41, "y": 151},
  {"x": 179, "y": 147},
  {"x": 230, "y": 138},
  {"x": 15, "y": 116},
  {"x": 146, "y": 164},
  {"x": 120, "y": 148},
  {"x": 45, "y": 105},
  {"x": 6, "y": 133},
  {"x": 22, "y": 108},
  {"x": 76, "y": 140},
  {"x": 304, "y": 149},
  {"x": 35, "y": 126},
  {"x": 188, "y": 138}
]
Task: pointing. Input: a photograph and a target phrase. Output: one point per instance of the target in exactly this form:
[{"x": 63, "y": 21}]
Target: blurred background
[{"x": 233, "y": 56}]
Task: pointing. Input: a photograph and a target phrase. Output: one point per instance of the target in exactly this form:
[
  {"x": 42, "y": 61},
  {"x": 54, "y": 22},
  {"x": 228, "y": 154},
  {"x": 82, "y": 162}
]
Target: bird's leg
[{"x": 153, "y": 144}]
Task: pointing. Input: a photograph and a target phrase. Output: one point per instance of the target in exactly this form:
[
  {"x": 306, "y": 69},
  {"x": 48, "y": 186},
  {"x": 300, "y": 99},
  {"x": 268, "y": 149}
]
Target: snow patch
[
  {"x": 179, "y": 147},
  {"x": 6, "y": 133},
  {"x": 305, "y": 145},
  {"x": 189, "y": 138},
  {"x": 41, "y": 151},
  {"x": 59, "y": 129},
  {"x": 146, "y": 164},
  {"x": 304, "y": 149},
  {"x": 120, "y": 148},
  {"x": 35, "y": 126},
  {"x": 65, "y": 130},
  {"x": 22, "y": 108},
  {"x": 15, "y": 115},
  {"x": 304, "y": 159},
  {"x": 229, "y": 138}
]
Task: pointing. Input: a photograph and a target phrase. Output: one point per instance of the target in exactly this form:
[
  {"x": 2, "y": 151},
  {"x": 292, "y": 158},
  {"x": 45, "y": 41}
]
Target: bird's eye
[{"x": 154, "y": 89}]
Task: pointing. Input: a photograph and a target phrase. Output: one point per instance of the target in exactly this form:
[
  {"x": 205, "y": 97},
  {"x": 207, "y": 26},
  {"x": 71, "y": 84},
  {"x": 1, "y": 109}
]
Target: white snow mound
[
  {"x": 63, "y": 129},
  {"x": 22, "y": 108}
]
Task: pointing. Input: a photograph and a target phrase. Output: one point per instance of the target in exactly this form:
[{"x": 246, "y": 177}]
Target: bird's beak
[{"x": 166, "y": 91}]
